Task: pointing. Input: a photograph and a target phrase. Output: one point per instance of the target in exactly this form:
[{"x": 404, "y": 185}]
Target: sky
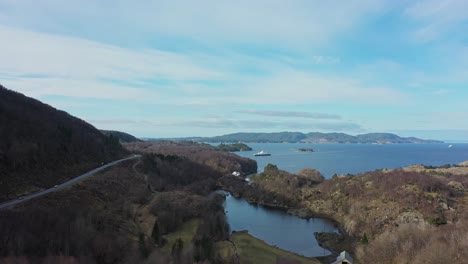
[{"x": 211, "y": 67}]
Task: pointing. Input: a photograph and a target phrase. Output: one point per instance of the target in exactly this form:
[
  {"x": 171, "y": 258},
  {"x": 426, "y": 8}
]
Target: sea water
[{"x": 355, "y": 158}]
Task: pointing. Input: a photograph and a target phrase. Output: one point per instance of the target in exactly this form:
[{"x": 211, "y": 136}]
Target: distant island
[
  {"x": 305, "y": 150},
  {"x": 313, "y": 137},
  {"x": 233, "y": 147}
]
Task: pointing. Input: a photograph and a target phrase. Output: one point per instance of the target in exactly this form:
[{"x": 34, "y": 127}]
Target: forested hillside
[
  {"x": 157, "y": 209},
  {"x": 122, "y": 136},
  {"x": 41, "y": 146},
  {"x": 223, "y": 162}
]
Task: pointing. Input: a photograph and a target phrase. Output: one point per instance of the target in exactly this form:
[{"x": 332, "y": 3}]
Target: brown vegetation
[
  {"x": 91, "y": 222},
  {"x": 223, "y": 162},
  {"x": 312, "y": 175},
  {"x": 273, "y": 186},
  {"x": 448, "y": 169},
  {"x": 122, "y": 216},
  {"x": 372, "y": 202},
  {"x": 170, "y": 172},
  {"x": 415, "y": 244},
  {"x": 374, "y": 206},
  {"x": 185, "y": 191}
]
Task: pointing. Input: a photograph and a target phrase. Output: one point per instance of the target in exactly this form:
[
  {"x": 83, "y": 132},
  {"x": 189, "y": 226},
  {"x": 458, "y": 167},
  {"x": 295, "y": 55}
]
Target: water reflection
[{"x": 275, "y": 227}]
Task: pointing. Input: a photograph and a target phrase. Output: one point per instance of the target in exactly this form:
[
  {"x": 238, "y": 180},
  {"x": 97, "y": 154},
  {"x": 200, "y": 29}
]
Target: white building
[{"x": 343, "y": 258}]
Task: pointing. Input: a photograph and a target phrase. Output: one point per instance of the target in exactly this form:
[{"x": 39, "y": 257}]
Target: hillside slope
[
  {"x": 122, "y": 136},
  {"x": 223, "y": 162},
  {"x": 41, "y": 146}
]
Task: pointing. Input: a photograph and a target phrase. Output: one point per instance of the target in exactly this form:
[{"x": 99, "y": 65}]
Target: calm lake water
[
  {"x": 355, "y": 158},
  {"x": 275, "y": 227}
]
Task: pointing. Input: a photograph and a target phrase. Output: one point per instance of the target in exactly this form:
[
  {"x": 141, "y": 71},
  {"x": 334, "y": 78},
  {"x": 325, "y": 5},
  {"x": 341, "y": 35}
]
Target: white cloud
[
  {"x": 304, "y": 87},
  {"x": 26, "y": 51},
  {"x": 81, "y": 68},
  {"x": 266, "y": 124},
  {"x": 295, "y": 22},
  {"x": 440, "y": 92},
  {"x": 438, "y": 10},
  {"x": 80, "y": 88},
  {"x": 412, "y": 120},
  {"x": 437, "y": 18},
  {"x": 448, "y": 135},
  {"x": 218, "y": 125},
  {"x": 117, "y": 121},
  {"x": 290, "y": 114},
  {"x": 325, "y": 60},
  {"x": 220, "y": 55}
]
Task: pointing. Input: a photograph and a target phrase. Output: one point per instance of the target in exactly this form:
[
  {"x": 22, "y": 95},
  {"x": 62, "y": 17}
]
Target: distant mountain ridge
[{"x": 313, "y": 137}]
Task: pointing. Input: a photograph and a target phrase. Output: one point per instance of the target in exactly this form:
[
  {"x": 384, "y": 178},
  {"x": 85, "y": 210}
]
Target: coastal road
[{"x": 65, "y": 184}]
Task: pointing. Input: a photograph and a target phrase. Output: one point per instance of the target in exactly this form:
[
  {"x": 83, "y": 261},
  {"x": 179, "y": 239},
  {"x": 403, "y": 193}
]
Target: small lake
[{"x": 275, "y": 227}]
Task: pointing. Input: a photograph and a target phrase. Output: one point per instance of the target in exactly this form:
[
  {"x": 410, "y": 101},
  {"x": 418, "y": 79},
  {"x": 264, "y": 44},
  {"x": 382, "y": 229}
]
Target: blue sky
[{"x": 210, "y": 67}]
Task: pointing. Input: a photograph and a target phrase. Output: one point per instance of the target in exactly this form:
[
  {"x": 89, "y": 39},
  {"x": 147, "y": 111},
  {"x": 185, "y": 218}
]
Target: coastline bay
[{"x": 355, "y": 158}]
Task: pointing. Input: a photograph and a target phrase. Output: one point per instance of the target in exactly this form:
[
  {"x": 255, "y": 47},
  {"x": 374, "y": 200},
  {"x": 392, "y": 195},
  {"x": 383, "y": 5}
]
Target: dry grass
[
  {"x": 418, "y": 244},
  {"x": 186, "y": 232},
  {"x": 462, "y": 169},
  {"x": 255, "y": 251}
]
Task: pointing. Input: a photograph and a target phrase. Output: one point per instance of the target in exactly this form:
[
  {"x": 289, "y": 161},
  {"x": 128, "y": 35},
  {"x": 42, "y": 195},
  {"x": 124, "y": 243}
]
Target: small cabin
[{"x": 343, "y": 258}]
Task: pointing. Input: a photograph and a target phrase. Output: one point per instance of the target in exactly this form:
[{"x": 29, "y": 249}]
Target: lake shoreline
[
  {"x": 251, "y": 245},
  {"x": 305, "y": 214}
]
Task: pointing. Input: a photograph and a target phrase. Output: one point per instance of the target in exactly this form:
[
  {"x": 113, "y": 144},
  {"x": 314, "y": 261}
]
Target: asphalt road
[{"x": 63, "y": 185}]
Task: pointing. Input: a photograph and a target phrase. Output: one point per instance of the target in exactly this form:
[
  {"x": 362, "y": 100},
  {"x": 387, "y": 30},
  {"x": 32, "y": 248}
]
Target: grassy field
[
  {"x": 224, "y": 250},
  {"x": 253, "y": 250},
  {"x": 186, "y": 232}
]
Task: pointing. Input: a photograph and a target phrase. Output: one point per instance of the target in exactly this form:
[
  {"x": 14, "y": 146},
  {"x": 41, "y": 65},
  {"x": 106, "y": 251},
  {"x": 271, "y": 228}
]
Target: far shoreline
[{"x": 331, "y": 142}]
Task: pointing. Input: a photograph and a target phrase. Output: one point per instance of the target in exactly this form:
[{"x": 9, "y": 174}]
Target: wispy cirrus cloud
[
  {"x": 325, "y": 59},
  {"x": 55, "y": 55},
  {"x": 298, "y": 86},
  {"x": 269, "y": 125},
  {"x": 81, "y": 68},
  {"x": 117, "y": 121},
  {"x": 296, "y": 22},
  {"x": 437, "y": 18},
  {"x": 172, "y": 63},
  {"x": 290, "y": 114}
]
